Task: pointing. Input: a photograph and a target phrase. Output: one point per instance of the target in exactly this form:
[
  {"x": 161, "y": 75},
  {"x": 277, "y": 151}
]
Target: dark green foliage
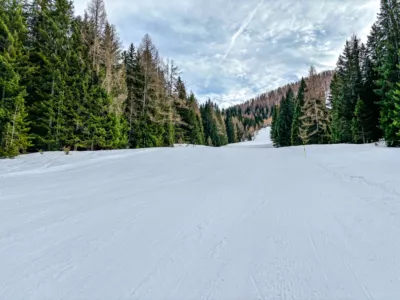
[
  {"x": 196, "y": 135},
  {"x": 346, "y": 89},
  {"x": 396, "y": 121},
  {"x": 297, "y": 114},
  {"x": 230, "y": 129},
  {"x": 360, "y": 122},
  {"x": 285, "y": 120},
  {"x": 64, "y": 85},
  {"x": 214, "y": 125},
  {"x": 386, "y": 40},
  {"x": 275, "y": 126},
  {"x": 14, "y": 137}
]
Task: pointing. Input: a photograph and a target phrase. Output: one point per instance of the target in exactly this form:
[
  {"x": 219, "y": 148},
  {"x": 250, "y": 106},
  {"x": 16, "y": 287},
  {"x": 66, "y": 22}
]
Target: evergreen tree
[
  {"x": 196, "y": 134},
  {"x": 297, "y": 114},
  {"x": 360, "y": 121},
  {"x": 133, "y": 108},
  {"x": 48, "y": 52},
  {"x": 396, "y": 121},
  {"x": 336, "y": 100},
  {"x": 346, "y": 90},
  {"x": 14, "y": 138},
  {"x": 214, "y": 126},
  {"x": 286, "y": 119},
  {"x": 275, "y": 126},
  {"x": 182, "y": 130},
  {"x": 230, "y": 129},
  {"x": 387, "y": 49},
  {"x": 370, "y": 98}
]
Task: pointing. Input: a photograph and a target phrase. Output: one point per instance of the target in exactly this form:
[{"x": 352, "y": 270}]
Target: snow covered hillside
[
  {"x": 262, "y": 139},
  {"x": 202, "y": 223}
]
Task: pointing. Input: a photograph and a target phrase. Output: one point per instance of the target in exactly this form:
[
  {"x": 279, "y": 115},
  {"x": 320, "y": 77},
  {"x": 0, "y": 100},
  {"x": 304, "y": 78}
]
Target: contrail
[{"x": 245, "y": 23}]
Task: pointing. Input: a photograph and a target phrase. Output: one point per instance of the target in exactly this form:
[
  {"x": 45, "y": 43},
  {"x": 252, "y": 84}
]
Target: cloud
[
  {"x": 232, "y": 50},
  {"x": 245, "y": 23}
]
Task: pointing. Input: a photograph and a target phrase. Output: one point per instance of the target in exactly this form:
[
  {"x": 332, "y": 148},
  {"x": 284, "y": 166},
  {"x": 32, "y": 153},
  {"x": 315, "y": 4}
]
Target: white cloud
[{"x": 265, "y": 43}]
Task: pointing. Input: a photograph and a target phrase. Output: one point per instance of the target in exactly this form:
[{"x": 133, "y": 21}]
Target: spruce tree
[
  {"x": 275, "y": 126},
  {"x": 360, "y": 122},
  {"x": 396, "y": 121},
  {"x": 387, "y": 49},
  {"x": 230, "y": 129},
  {"x": 371, "y": 100},
  {"x": 346, "y": 89},
  {"x": 196, "y": 134},
  {"x": 286, "y": 119},
  {"x": 297, "y": 114},
  {"x": 48, "y": 51},
  {"x": 14, "y": 138},
  {"x": 214, "y": 126}
]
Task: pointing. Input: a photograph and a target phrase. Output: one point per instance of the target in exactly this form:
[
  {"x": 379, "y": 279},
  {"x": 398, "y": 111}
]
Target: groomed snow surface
[
  {"x": 202, "y": 223},
  {"x": 262, "y": 139}
]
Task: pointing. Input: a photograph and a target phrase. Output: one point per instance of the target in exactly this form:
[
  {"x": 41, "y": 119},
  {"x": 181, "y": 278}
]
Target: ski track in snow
[{"x": 237, "y": 222}]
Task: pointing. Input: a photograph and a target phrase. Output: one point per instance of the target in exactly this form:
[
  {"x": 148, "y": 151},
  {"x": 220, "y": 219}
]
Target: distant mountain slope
[
  {"x": 262, "y": 139},
  {"x": 254, "y": 114}
]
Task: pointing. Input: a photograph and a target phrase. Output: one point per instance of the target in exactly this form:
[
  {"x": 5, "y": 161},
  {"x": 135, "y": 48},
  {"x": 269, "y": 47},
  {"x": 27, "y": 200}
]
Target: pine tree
[
  {"x": 297, "y": 114},
  {"x": 196, "y": 134},
  {"x": 396, "y": 121},
  {"x": 230, "y": 129},
  {"x": 214, "y": 126},
  {"x": 360, "y": 121},
  {"x": 14, "y": 138},
  {"x": 286, "y": 119},
  {"x": 368, "y": 95},
  {"x": 275, "y": 126},
  {"x": 48, "y": 51},
  {"x": 346, "y": 90},
  {"x": 336, "y": 103},
  {"x": 134, "y": 82},
  {"x": 387, "y": 50},
  {"x": 78, "y": 82},
  {"x": 182, "y": 130}
]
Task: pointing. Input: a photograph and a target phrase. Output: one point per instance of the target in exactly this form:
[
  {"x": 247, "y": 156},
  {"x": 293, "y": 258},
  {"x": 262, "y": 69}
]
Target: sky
[{"x": 232, "y": 50}]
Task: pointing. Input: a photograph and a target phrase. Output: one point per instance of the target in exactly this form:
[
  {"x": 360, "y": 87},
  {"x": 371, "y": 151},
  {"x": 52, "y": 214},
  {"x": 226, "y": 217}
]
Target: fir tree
[
  {"x": 286, "y": 119},
  {"x": 275, "y": 126},
  {"x": 396, "y": 121},
  {"x": 14, "y": 138},
  {"x": 230, "y": 129},
  {"x": 368, "y": 95},
  {"x": 297, "y": 114},
  {"x": 359, "y": 123},
  {"x": 214, "y": 126},
  {"x": 387, "y": 55},
  {"x": 346, "y": 90},
  {"x": 196, "y": 134}
]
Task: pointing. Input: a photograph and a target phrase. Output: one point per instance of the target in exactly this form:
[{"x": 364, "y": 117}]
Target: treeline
[
  {"x": 242, "y": 124},
  {"x": 66, "y": 83},
  {"x": 364, "y": 101},
  {"x": 243, "y": 120}
]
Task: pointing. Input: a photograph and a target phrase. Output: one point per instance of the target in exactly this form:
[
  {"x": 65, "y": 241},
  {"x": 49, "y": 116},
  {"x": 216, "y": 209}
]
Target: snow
[
  {"x": 202, "y": 223},
  {"x": 262, "y": 139}
]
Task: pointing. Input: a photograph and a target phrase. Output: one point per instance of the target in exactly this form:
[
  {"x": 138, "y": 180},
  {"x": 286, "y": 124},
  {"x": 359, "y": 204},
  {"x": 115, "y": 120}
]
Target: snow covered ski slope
[
  {"x": 202, "y": 223},
  {"x": 262, "y": 139}
]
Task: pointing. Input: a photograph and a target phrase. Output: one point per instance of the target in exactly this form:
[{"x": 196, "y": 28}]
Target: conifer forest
[{"x": 67, "y": 83}]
